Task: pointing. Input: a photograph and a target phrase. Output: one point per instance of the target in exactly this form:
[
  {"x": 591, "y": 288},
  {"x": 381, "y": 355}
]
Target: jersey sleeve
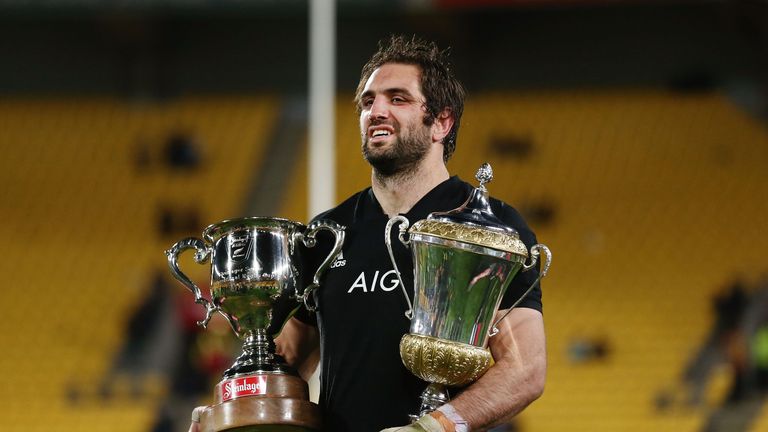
[
  {"x": 311, "y": 259},
  {"x": 523, "y": 279},
  {"x": 287, "y": 306},
  {"x": 305, "y": 316}
]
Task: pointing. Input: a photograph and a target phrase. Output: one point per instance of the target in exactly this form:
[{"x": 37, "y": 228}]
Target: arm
[
  {"x": 517, "y": 377},
  {"x": 299, "y": 344}
]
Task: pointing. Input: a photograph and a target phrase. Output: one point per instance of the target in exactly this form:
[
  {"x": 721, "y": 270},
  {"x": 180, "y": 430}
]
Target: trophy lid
[{"x": 474, "y": 222}]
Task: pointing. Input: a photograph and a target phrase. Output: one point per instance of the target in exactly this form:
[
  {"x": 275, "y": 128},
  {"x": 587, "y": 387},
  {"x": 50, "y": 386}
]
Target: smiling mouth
[{"x": 380, "y": 133}]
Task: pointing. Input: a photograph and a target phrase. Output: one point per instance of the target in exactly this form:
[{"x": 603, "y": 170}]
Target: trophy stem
[
  {"x": 256, "y": 356},
  {"x": 257, "y": 344},
  {"x": 432, "y": 398}
]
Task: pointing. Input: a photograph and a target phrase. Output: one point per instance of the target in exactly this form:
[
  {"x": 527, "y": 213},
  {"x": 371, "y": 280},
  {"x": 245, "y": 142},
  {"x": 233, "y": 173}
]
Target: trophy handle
[
  {"x": 201, "y": 254},
  {"x": 404, "y": 224},
  {"x": 536, "y": 250},
  {"x": 308, "y": 238}
]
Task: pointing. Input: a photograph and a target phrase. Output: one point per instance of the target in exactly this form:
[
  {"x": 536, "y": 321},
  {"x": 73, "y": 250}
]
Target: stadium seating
[
  {"x": 81, "y": 238},
  {"x": 655, "y": 210},
  {"x": 655, "y": 202}
]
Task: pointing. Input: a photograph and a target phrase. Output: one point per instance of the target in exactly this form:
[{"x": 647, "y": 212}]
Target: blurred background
[{"x": 633, "y": 136}]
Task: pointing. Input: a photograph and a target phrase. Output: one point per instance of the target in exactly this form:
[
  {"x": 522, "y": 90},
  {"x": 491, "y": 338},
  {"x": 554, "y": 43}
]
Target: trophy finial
[{"x": 484, "y": 174}]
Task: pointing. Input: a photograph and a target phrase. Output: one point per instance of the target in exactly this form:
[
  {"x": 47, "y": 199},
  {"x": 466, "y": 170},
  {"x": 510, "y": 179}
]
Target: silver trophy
[
  {"x": 254, "y": 262},
  {"x": 463, "y": 262}
]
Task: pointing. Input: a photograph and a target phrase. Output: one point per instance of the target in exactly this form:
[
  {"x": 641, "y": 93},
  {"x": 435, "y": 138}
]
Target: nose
[{"x": 379, "y": 109}]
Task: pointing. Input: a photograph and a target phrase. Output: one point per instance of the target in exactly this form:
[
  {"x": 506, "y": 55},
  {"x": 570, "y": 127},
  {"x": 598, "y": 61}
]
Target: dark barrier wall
[{"x": 165, "y": 52}]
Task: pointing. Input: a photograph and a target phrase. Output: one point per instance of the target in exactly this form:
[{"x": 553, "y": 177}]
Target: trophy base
[{"x": 263, "y": 402}]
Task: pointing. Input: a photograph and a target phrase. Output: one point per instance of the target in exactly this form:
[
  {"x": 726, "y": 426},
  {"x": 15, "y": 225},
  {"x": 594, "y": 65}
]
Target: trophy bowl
[
  {"x": 463, "y": 262},
  {"x": 254, "y": 262}
]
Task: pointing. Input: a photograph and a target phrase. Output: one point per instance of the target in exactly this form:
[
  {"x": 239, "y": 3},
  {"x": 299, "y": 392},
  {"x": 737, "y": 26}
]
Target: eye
[
  {"x": 366, "y": 102},
  {"x": 398, "y": 99}
]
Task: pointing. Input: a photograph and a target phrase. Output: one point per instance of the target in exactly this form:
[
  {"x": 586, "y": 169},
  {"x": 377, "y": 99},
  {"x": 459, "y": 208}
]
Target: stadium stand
[
  {"x": 654, "y": 199},
  {"x": 653, "y": 191},
  {"x": 80, "y": 223}
]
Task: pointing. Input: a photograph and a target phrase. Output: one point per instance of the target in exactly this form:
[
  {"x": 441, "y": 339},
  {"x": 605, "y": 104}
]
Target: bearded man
[{"x": 410, "y": 106}]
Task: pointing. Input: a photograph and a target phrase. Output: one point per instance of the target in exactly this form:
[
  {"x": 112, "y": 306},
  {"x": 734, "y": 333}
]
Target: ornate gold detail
[
  {"x": 471, "y": 234},
  {"x": 442, "y": 361}
]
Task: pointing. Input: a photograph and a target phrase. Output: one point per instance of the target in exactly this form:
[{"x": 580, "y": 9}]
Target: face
[{"x": 394, "y": 136}]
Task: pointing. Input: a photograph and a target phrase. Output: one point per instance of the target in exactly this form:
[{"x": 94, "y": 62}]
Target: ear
[{"x": 442, "y": 125}]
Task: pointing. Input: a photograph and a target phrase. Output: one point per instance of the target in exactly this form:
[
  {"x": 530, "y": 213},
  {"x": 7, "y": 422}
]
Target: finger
[{"x": 196, "y": 413}]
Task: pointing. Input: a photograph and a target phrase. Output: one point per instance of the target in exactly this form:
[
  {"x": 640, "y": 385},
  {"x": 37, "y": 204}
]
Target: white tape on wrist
[{"x": 454, "y": 416}]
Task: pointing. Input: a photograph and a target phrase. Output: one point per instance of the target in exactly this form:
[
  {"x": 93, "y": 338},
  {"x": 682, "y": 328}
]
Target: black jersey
[{"x": 361, "y": 310}]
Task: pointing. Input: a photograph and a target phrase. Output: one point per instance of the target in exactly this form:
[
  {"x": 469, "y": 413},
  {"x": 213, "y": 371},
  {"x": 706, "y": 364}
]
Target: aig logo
[
  {"x": 339, "y": 261},
  {"x": 385, "y": 282}
]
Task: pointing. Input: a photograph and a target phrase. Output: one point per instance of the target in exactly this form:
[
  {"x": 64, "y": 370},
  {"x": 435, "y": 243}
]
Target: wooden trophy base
[{"x": 261, "y": 402}]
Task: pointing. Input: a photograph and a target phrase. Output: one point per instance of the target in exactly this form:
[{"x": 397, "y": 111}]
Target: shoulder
[
  {"x": 505, "y": 212},
  {"x": 344, "y": 213},
  {"x": 510, "y": 216}
]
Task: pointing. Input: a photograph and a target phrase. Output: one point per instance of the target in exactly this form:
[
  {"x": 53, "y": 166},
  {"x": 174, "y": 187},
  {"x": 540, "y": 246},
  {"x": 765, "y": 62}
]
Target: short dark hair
[{"x": 438, "y": 84}]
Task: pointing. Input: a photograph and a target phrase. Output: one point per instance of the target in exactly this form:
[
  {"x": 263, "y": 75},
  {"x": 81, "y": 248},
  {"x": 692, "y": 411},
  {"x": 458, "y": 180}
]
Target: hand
[
  {"x": 426, "y": 423},
  {"x": 196, "y": 413}
]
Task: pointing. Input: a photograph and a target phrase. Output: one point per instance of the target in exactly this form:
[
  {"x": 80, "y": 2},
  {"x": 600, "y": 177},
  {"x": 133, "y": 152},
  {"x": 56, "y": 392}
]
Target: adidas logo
[{"x": 339, "y": 261}]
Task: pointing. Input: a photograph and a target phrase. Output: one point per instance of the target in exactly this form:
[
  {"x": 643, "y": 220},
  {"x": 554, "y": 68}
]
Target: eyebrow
[{"x": 389, "y": 91}]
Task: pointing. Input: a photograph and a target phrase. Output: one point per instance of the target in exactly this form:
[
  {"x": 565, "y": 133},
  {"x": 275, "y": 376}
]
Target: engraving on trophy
[
  {"x": 442, "y": 361},
  {"x": 240, "y": 247}
]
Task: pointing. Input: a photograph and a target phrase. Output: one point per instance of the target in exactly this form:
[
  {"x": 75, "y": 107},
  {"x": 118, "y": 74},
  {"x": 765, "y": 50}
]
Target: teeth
[{"x": 380, "y": 133}]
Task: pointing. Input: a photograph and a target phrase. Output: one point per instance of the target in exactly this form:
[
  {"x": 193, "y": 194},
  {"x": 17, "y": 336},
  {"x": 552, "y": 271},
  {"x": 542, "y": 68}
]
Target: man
[{"x": 410, "y": 106}]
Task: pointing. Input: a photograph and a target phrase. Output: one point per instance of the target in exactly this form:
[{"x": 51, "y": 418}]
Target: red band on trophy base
[{"x": 247, "y": 386}]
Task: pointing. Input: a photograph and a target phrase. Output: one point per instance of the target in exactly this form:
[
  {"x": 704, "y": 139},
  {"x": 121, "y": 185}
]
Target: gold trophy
[
  {"x": 254, "y": 261},
  {"x": 463, "y": 262}
]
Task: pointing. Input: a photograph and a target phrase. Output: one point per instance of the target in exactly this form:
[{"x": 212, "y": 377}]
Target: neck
[{"x": 399, "y": 193}]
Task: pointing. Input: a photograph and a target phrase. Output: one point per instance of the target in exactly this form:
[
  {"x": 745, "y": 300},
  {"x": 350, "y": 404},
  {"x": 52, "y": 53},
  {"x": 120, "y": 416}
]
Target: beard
[{"x": 403, "y": 155}]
